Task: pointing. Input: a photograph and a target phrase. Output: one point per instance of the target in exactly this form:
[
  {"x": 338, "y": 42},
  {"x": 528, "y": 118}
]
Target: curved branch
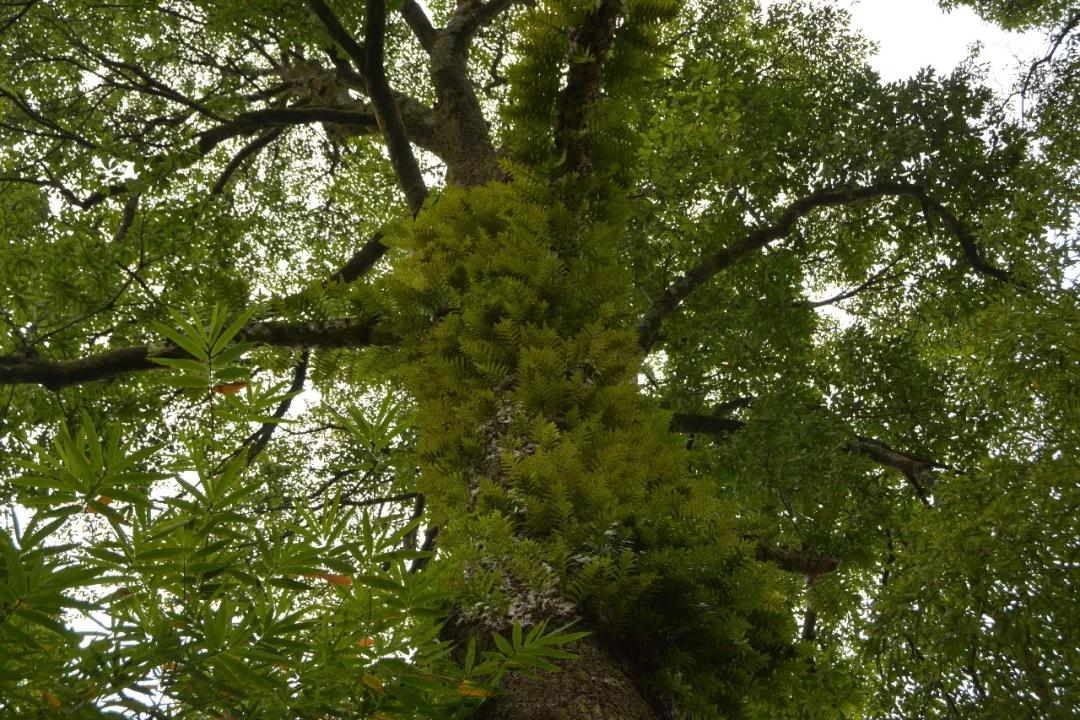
[
  {"x": 58, "y": 130},
  {"x": 243, "y": 124},
  {"x": 712, "y": 265},
  {"x": 920, "y": 473},
  {"x": 261, "y": 437},
  {"x": 247, "y": 151},
  {"x": 1070, "y": 25},
  {"x": 881, "y": 276},
  {"x": 57, "y": 374}
]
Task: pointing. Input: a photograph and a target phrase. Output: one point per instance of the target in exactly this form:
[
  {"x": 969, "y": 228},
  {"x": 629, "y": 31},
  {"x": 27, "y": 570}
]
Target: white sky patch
[{"x": 912, "y": 34}]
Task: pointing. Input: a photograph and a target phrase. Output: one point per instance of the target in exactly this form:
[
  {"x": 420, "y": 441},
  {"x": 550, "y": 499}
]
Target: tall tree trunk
[{"x": 593, "y": 687}]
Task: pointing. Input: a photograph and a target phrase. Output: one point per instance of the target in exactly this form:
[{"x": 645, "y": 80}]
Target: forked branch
[
  {"x": 472, "y": 15},
  {"x": 369, "y": 60},
  {"x": 713, "y": 264}
]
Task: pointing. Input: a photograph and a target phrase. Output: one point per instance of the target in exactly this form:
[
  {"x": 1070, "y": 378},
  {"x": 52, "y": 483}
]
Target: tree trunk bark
[{"x": 592, "y": 687}]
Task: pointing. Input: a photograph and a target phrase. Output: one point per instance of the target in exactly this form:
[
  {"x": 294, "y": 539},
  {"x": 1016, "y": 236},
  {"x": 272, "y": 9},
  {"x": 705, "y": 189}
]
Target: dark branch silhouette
[
  {"x": 250, "y": 122},
  {"x": 259, "y": 439},
  {"x": 713, "y": 264},
  {"x": 802, "y": 562},
  {"x": 369, "y": 60},
  {"x": 252, "y": 148},
  {"x": 57, "y": 374},
  {"x": 419, "y": 23},
  {"x": 920, "y": 473},
  {"x": 881, "y": 276}
]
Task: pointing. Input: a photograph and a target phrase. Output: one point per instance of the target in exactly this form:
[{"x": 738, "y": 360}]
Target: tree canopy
[{"x": 621, "y": 359}]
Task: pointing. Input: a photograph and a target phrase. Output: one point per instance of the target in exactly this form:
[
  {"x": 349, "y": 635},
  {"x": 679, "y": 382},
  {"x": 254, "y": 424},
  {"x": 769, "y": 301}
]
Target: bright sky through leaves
[{"x": 912, "y": 34}]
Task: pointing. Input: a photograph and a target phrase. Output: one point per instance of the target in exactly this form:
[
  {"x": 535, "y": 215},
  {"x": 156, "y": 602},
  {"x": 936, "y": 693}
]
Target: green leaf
[
  {"x": 192, "y": 346},
  {"x": 43, "y": 620},
  {"x": 516, "y": 635},
  {"x": 503, "y": 644},
  {"x": 230, "y": 332}
]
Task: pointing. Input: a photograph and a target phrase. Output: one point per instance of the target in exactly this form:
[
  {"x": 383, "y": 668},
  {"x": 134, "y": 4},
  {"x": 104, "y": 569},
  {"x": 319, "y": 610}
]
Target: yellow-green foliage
[
  {"x": 545, "y": 466},
  {"x": 526, "y": 383},
  {"x": 636, "y": 56}
]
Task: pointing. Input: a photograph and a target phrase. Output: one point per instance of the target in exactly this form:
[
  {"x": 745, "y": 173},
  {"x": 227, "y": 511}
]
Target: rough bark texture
[
  {"x": 593, "y": 687},
  {"x": 465, "y": 140}
]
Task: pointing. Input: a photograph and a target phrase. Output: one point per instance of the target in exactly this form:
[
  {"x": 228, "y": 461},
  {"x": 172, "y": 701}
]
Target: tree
[{"x": 620, "y": 359}]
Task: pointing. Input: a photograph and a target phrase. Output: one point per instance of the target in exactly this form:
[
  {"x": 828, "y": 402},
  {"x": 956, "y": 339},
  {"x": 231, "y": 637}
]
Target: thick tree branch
[
  {"x": 465, "y": 137},
  {"x": 362, "y": 260},
  {"x": 715, "y": 425},
  {"x": 472, "y": 15},
  {"x": 920, "y": 473},
  {"x": 57, "y": 374},
  {"x": 419, "y": 23},
  {"x": 712, "y": 265},
  {"x": 419, "y": 506},
  {"x": 250, "y": 122},
  {"x": 418, "y": 118},
  {"x": 809, "y": 628},
  {"x": 802, "y": 562},
  {"x": 589, "y": 45},
  {"x": 431, "y": 535},
  {"x": 127, "y": 217},
  {"x": 369, "y": 58},
  {"x": 386, "y": 110},
  {"x": 337, "y": 32}
]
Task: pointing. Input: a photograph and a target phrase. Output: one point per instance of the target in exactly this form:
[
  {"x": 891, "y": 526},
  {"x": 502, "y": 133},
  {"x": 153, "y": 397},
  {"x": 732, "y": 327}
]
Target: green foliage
[
  {"x": 841, "y": 483},
  {"x": 190, "y": 592}
]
